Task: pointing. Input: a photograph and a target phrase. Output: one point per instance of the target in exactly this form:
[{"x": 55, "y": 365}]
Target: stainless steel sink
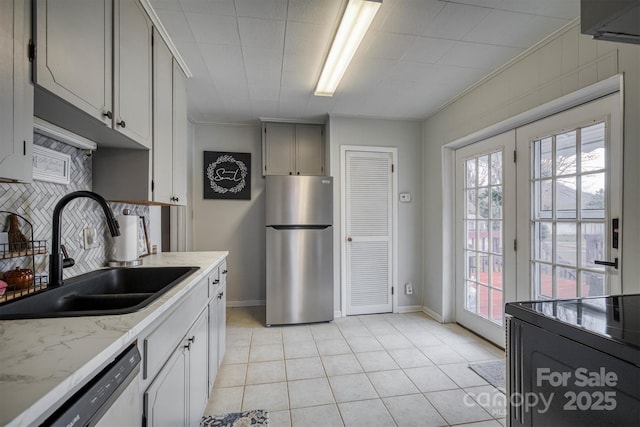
[{"x": 101, "y": 292}]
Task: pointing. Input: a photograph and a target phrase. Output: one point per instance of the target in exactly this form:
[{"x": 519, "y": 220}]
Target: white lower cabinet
[{"x": 181, "y": 380}]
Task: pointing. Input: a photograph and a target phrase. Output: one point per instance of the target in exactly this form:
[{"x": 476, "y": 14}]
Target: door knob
[{"x": 349, "y": 239}]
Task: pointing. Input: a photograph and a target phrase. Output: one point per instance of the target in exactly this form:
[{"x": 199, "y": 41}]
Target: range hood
[{"x": 612, "y": 20}]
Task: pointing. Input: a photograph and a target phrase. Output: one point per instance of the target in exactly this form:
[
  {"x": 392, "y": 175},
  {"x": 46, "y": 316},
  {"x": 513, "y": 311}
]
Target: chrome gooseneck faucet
[{"x": 56, "y": 257}]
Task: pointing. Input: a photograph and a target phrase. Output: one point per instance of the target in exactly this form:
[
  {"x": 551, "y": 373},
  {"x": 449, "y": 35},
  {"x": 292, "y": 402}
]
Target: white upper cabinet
[
  {"x": 132, "y": 65},
  {"x": 179, "y": 171},
  {"x": 292, "y": 149},
  {"x": 96, "y": 56},
  {"x": 16, "y": 94}
]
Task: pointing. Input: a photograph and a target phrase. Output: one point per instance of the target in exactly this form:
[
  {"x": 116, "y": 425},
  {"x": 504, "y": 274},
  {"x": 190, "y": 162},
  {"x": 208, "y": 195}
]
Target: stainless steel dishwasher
[{"x": 111, "y": 398}]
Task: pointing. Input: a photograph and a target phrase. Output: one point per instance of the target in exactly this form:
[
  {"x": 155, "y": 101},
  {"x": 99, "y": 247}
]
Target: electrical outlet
[{"x": 408, "y": 288}]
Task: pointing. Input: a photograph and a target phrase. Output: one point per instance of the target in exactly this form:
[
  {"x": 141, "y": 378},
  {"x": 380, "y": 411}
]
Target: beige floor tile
[
  {"x": 280, "y": 419},
  {"x": 381, "y": 328},
  {"x": 305, "y": 368},
  {"x": 265, "y": 336},
  {"x": 430, "y": 378},
  {"x": 348, "y": 388},
  {"x": 225, "y": 400},
  {"x": 462, "y": 375},
  {"x": 296, "y": 350},
  {"x": 413, "y": 411},
  {"x": 376, "y": 361},
  {"x": 296, "y": 333},
  {"x": 355, "y": 331},
  {"x": 422, "y": 338},
  {"x": 370, "y": 413},
  {"x": 409, "y": 358},
  {"x": 341, "y": 364},
  {"x": 362, "y": 344},
  {"x": 325, "y": 331},
  {"x": 234, "y": 355},
  {"x": 313, "y": 392},
  {"x": 238, "y": 337},
  {"x": 392, "y": 383},
  {"x": 317, "y": 416},
  {"x": 442, "y": 354},
  {"x": 271, "y": 397},
  {"x": 488, "y": 423},
  {"x": 231, "y": 375},
  {"x": 332, "y": 346},
  {"x": 265, "y": 353},
  {"x": 266, "y": 372},
  {"x": 392, "y": 342},
  {"x": 457, "y": 407},
  {"x": 473, "y": 352}
]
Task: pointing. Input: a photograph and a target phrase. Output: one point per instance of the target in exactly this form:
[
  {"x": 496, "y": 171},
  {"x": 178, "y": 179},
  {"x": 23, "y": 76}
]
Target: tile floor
[{"x": 374, "y": 370}]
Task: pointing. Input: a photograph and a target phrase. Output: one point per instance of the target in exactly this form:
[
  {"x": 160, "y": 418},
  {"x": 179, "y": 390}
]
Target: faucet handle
[{"x": 67, "y": 261}]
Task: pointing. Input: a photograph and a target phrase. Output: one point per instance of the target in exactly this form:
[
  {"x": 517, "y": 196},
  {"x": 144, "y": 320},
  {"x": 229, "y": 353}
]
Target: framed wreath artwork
[{"x": 227, "y": 175}]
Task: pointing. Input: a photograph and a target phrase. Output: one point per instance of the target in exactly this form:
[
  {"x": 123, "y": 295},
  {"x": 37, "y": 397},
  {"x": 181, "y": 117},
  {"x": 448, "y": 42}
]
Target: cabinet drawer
[
  {"x": 214, "y": 280},
  {"x": 159, "y": 344}
]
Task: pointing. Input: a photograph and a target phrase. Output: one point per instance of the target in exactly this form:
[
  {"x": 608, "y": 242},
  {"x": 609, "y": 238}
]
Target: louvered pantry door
[{"x": 369, "y": 232}]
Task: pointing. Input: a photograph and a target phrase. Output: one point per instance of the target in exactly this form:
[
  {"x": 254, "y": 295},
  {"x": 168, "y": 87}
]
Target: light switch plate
[{"x": 405, "y": 197}]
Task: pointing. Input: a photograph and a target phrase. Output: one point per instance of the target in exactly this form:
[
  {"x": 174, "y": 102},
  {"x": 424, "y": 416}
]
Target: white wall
[
  {"x": 562, "y": 64},
  {"x": 233, "y": 225},
  {"x": 407, "y": 137}
]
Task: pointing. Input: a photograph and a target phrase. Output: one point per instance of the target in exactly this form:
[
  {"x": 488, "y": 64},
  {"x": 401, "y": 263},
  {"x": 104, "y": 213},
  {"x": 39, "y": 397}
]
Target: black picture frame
[{"x": 227, "y": 175}]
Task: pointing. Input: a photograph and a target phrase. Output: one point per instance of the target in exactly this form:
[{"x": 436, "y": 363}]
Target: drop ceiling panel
[
  {"x": 427, "y": 49},
  {"x": 225, "y": 64},
  {"x": 323, "y": 12},
  {"x": 176, "y": 24},
  {"x": 512, "y": 29},
  {"x": 454, "y": 21},
  {"x": 306, "y": 38},
  {"x": 218, "y": 7},
  {"x": 268, "y": 9},
  {"x": 410, "y": 16},
  {"x": 385, "y": 45},
  {"x": 218, "y": 29},
  {"x": 264, "y": 33},
  {"x": 476, "y": 55},
  {"x": 263, "y": 66}
]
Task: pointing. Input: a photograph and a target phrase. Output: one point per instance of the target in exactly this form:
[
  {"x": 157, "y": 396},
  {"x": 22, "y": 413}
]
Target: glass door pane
[{"x": 568, "y": 199}]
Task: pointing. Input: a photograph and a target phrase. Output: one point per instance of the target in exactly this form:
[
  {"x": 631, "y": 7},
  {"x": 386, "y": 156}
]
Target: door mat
[
  {"x": 257, "y": 417},
  {"x": 493, "y": 372}
]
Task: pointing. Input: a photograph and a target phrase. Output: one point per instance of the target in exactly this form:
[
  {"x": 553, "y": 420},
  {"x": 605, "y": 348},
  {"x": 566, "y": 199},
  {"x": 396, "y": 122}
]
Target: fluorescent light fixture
[{"x": 355, "y": 22}]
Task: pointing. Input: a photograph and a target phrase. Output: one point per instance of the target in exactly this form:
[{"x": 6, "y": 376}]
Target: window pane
[
  {"x": 471, "y": 295},
  {"x": 567, "y": 282},
  {"x": 543, "y": 280},
  {"x": 543, "y": 158},
  {"x": 592, "y": 284},
  {"x": 470, "y": 173},
  {"x": 483, "y": 234},
  {"x": 544, "y": 194},
  {"x": 483, "y": 268},
  {"x": 471, "y": 235},
  {"x": 592, "y": 148},
  {"x": 542, "y": 242},
  {"x": 484, "y": 203},
  {"x": 471, "y": 265},
  {"x": 496, "y": 237},
  {"x": 483, "y": 301},
  {"x": 593, "y": 238},
  {"x": 565, "y": 198},
  {"x": 593, "y": 203},
  {"x": 496, "y": 306},
  {"x": 496, "y": 202},
  {"x": 496, "y": 268},
  {"x": 470, "y": 196},
  {"x": 566, "y": 244},
  {"x": 483, "y": 171},
  {"x": 496, "y": 168},
  {"x": 566, "y": 153}
]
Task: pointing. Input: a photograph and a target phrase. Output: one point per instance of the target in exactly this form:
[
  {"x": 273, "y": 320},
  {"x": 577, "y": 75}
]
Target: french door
[
  {"x": 538, "y": 214},
  {"x": 485, "y": 231},
  {"x": 569, "y": 187}
]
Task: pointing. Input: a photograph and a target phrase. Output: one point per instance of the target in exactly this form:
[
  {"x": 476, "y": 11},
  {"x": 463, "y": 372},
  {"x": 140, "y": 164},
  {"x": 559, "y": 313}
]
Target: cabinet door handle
[
  {"x": 224, "y": 271},
  {"x": 192, "y": 339},
  {"x": 188, "y": 346},
  {"x": 298, "y": 173},
  {"x": 108, "y": 115},
  {"x": 122, "y": 124},
  {"x": 215, "y": 282},
  {"x": 349, "y": 239},
  {"x": 290, "y": 173},
  {"x": 220, "y": 295}
]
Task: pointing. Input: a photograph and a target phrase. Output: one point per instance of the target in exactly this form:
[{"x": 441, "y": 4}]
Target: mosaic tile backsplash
[{"x": 36, "y": 202}]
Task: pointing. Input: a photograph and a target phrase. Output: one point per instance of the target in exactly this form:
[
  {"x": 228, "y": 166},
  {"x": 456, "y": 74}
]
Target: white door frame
[
  {"x": 597, "y": 90},
  {"x": 343, "y": 221}
]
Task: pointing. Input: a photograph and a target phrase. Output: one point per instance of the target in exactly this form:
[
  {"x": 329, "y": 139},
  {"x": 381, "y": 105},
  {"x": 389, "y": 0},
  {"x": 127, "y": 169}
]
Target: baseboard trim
[
  {"x": 249, "y": 303},
  {"x": 409, "y": 308},
  {"x": 337, "y": 314},
  {"x": 432, "y": 314}
]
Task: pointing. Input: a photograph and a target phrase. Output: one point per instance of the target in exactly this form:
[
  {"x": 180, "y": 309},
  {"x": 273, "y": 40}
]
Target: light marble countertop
[{"x": 44, "y": 361}]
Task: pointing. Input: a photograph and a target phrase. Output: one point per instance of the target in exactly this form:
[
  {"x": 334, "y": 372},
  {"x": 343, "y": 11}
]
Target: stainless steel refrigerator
[{"x": 299, "y": 249}]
